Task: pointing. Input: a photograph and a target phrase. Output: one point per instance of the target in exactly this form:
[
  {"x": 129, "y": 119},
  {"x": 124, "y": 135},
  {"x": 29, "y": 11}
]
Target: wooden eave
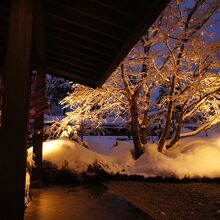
[{"x": 85, "y": 40}]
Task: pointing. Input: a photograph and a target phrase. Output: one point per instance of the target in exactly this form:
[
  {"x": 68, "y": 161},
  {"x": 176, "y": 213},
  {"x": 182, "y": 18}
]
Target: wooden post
[
  {"x": 1, "y": 92},
  {"x": 38, "y": 59},
  {"x": 39, "y": 104},
  {"x": 13, "y": 131}
]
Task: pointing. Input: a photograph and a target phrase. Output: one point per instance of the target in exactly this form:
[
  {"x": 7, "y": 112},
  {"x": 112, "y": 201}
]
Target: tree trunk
[
  {"x": 176, "y": 137},
  {"x": 135, "y": 129},
  {"x": 145, "y": 69},
  {"x": 168, "y": 117},
  {"x": 166, "y": 129},
  {"x": 144, "y": 129},
  {"x": 144, "y": 133}
]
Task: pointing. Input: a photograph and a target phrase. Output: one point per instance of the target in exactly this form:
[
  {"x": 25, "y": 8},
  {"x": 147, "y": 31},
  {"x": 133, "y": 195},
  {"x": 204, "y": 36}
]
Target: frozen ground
[
  {"x": 176, "y": 201},
  {"x": 193, "y": 157}
]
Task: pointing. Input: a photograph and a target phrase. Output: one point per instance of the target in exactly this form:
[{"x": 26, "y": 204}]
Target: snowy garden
[
  {"x": 194, "y": 157},
  {"x": 110, "y": 102},
  {"x": 165, "y": 96}
]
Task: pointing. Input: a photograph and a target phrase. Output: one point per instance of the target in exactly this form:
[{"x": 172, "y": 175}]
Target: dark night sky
[{"x": 216, "y": 27}]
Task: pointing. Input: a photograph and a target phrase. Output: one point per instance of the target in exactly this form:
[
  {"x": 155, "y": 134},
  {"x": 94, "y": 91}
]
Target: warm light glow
[
  {"x": 50, "y": 147},
  {"x": 30, "y": 165},
  {"x": 218, "y": 142}
]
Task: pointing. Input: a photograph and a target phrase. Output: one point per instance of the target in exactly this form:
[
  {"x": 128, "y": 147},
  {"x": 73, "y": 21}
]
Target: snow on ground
[
  {"x": 198, "y": 157},
  {"x": 100, "y": 144},
  {"x": 62, "y": 151},
  {"x": 193, "y": 157}
]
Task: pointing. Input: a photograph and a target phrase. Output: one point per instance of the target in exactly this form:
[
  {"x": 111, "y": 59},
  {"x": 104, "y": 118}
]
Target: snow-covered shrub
[{"x": 66, "y": 175}]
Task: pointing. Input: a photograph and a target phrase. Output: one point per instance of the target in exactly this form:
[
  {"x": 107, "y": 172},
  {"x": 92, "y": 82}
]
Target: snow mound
[
  {"x": 63, "y": 151},
  {"x": 194, "y": 157},
  {"x": 198, "y": 157},
  {"x": 121, "y": 154}
]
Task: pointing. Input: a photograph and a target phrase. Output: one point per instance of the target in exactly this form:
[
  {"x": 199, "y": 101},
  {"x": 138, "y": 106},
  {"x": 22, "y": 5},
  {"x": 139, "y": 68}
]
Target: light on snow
[{"x": 193, "y": 157}]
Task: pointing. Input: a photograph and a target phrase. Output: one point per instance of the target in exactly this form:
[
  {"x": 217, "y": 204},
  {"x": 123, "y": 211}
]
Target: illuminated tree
[
  {"x": 193, "y": 64},
  {"x": 126, "y": 94},
  {"x": 178, "y": 53}
]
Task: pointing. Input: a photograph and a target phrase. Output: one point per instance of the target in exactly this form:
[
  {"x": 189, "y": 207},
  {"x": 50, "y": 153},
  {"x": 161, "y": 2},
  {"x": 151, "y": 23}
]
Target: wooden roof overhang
[{"x": 84, "y": 40}]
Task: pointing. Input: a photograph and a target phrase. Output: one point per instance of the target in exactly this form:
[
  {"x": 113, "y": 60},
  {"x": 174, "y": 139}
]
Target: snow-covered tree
[
  {"x": 179, "y": 53},
  {"x": 193, "y": 65},
  {"x": 56, "y": 89},
  {"x": 126, "y": 94}
]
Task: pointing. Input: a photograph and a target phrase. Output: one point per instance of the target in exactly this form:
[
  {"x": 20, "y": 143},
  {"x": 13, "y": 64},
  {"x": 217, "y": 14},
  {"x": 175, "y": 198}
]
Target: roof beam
[
  {"x": 85, "y": 71},
  {"x": 73, "y": 21},
  {"x": 80, "y": 42},
  {"x": 52, "y": 21},
  {"x": 77, "y": 53},
  {"x": 69, "y": 75},
  {"x": 77, "y": 46},
  {"x": 74, "y": 34},
  {"x": 113, "y": 8},
  {"x": 55, "y": 53},
  {"x": 68, "y": 69},
  {"x": 89, "y": 9}
]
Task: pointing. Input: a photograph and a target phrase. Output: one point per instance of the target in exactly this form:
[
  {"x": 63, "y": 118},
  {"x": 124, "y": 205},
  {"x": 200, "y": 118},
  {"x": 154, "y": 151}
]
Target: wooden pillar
[
  {"x": 13, "y": 131},
  {"x": 39, "y": 104},
  {"x": 1, "y": 91},
  {"x": 38, "y": 59}
]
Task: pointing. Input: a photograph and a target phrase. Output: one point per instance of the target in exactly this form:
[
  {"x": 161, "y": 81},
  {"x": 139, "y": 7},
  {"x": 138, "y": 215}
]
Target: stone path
[
  {"x": 87, "y": 202},
  {"x": 176, "y": 201}
]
